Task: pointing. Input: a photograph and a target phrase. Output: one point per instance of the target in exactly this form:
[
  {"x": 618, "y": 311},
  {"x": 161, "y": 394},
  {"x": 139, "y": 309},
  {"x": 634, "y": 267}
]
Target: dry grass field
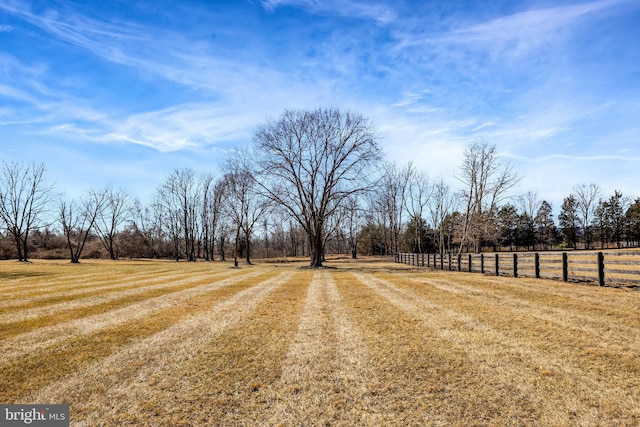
[{"x": 358, "y": 344}]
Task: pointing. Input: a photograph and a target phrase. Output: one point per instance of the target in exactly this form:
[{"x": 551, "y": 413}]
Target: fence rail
[{"x": 602, "y": 267}]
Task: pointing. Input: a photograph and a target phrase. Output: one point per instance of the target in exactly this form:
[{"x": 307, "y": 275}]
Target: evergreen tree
[
  {"x": 633, "y": 223},
  {"x": 507, "y": 219},
  {"x": 545, "y": 227},
  {"x": 569, "y": 220}
]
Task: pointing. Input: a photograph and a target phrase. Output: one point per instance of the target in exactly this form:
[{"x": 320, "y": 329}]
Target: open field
[{"x": 165, "y": 343}]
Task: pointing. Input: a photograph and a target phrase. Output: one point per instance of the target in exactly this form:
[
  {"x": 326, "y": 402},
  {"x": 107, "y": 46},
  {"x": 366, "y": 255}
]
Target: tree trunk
[
  {"x": 221, "y": 249},
  {"x": 19, "y": 247},
  {"x": 24, "y": 247},
  {"x": 317, "y": 255},
  {"x": 235, "y": 251},
  {"x": 248, "y": 250}
]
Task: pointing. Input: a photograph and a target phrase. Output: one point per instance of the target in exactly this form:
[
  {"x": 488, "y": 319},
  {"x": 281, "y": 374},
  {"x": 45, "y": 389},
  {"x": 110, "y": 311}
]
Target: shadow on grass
[{"x": 20, "y": 274}]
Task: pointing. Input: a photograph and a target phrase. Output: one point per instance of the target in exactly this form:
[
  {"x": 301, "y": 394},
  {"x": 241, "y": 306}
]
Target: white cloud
[
  {"x": 575, "y": 158},
  {"x": 511, "y": 36},
  {"x": 16, "y": 94},
  {"x": 183, "y": 126},
  {"x": 379, "y": 13}
]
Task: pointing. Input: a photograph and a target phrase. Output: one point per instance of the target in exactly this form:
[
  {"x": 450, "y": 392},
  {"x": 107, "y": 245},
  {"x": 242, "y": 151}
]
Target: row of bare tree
[
  {"x": 310, "y": 179},
  {"x": 409, "y": 212},
  {"x": 307, "y": 167}
]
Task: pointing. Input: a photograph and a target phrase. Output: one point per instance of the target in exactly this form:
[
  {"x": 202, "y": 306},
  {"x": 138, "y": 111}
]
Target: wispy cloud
[
  {"x": 517, "y": 33},
  {"x": 377, "y": 12},
  {"x": 578, "y": 158},
  {"x": 161, "y": 53},
  {"x": 16, "y": 94},
  {"x": 528, "y": 30},
  {"x": 183, "y": 126}
]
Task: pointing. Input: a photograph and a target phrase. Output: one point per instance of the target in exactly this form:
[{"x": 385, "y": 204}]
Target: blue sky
[{"x": 122, "y": 92}]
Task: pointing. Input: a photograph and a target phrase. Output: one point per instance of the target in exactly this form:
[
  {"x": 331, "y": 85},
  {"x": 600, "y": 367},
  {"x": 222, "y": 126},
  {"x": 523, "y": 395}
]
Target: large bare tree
[
  {"x": 78, "y": 219},
  {"x": 486, "y": 180},
  {"x": 24, "y": 198},
  {"x": 392, "y": 197},
  {"x": 311, "y": 161},
  {"x": 244, "y": 205},
  {"x": 179, "y": 200},
  {"x": 353, "y": 219},
  {"x": 586, "y": 202},
  {"x": 442, "y": 204},
  {"x": 115, "y": 210},
  {"x": 419, "y": 193},
  {"x": 210, "y": 213}
]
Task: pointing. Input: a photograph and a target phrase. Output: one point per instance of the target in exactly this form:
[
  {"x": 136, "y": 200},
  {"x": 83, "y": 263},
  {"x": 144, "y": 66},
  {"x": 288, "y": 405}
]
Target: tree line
[
  {"x": 313, "y": 182},
  {"x": 411, "y": 213}
]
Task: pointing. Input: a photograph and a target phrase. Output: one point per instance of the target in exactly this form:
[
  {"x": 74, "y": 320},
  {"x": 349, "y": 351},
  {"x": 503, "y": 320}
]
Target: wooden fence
[{"x": 601, "y": 267}]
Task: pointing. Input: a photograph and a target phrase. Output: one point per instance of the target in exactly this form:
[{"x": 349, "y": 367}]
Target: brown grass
[{"x": 369, "y": 343}]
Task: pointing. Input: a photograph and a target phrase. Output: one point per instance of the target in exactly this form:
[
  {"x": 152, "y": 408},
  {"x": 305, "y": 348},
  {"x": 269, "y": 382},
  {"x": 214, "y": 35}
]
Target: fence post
[
  {"x": 565, "y": 267},
  {"x": 449, "y": 261},
  {"x": 515, "y": 265},
  {"x": 469, "y": 263},
  {"x": 423, "y": 259},
  {"x": 497, "y": 265},
  {"x": 536, "y": 264},
  {"x": 482, "y": 263},
  {"x": 459, "y": 262},
  {"x": 600, "y": 268},
  {"x": 441, "y": 261}
]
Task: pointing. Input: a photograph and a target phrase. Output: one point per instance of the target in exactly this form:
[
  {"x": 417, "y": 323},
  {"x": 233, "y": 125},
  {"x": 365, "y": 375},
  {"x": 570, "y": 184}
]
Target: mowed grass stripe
[
  {"x": 100, "y": 296},
  {"x": 580, "y": 352},
  {"x": 227, "y": 379},
  {"x": 537, "y": 373},
  {"x": 42, "y": 276},
  {"x": 101, "y": 274},
  {"x": 323, "y": 375},
  {"x": 48, "y": 336},
  {"x": 494, "y": 362},
  {"x": 14, "y": 328},
  {"x": 421, "y": 377},
  {"x": 605, "y": 331},
  {"x": 72, "y": 289},
  {"x": 49, "y": 366},
  {"x": 605, "y": 300},
  {"x": 125, "y": 372},
  {"x": 19, "y": 278}
]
